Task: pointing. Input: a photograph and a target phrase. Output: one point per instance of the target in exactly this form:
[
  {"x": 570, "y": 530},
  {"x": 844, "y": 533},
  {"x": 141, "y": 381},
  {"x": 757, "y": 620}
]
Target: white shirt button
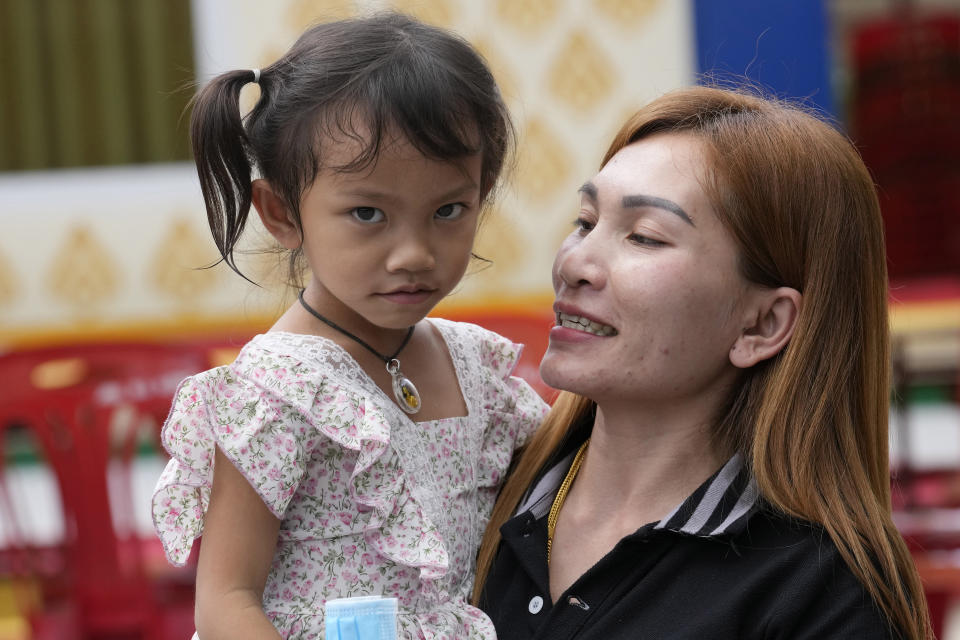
[{"x": 536, "y": 603}]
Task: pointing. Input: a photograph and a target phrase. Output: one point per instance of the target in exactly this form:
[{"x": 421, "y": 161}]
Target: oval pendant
[{"x": 406, "y": 393}]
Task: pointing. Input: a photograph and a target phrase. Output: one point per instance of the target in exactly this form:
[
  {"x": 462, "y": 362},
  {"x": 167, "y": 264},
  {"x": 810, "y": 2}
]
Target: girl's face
[
  {"x": 387, "y": 243},
  {"x": 654, "y": 273}
]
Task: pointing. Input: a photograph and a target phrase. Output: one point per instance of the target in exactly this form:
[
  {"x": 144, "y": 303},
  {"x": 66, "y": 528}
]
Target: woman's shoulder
[
  {"x": 811, "y": 589},
  {"x": 792, "y": 547}
]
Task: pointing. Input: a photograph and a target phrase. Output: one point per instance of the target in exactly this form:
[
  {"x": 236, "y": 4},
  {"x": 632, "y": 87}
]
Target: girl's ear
[
  {"x": 275, "y": 214},
  {"x": 773, "y": 319}
]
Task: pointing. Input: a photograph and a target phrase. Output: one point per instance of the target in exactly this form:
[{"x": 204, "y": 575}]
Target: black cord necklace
[{"x": 404, "y": 391}]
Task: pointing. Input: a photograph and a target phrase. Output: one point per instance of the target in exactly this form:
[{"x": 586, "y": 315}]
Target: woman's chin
[{"x": 559, "y": 373}]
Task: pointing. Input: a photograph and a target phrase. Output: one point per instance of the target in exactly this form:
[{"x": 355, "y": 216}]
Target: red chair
[{"x": 84, "y": 405}]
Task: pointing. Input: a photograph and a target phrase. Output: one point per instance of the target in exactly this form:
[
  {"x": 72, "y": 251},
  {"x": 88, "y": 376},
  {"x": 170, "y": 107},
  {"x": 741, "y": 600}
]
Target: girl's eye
[
  {"x": 637, "y": 238},
  {"x": 450, "y": 211},
  {"x": 367, "y": 214}
]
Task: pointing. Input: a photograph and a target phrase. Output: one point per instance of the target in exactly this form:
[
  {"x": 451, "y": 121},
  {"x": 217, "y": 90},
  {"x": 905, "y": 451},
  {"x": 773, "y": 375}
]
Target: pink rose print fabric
[{"x": 371, "y": 503}]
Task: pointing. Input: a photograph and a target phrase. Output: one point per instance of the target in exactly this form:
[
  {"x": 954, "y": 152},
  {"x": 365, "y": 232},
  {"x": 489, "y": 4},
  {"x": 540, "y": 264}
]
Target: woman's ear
[
  {"x": 773, "y": 318},
  {"x": 275, "y": 215}
]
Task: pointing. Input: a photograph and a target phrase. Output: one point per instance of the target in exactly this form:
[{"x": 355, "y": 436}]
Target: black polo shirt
[{"x": 723, "y": 565}]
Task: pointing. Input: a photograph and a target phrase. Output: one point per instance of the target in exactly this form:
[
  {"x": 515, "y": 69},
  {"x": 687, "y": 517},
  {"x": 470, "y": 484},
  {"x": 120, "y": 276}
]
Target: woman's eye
[
  {"x": 637, "y": 238},
  {"x": 367, "y": 214},
  {"x": 450, "y": 211}
]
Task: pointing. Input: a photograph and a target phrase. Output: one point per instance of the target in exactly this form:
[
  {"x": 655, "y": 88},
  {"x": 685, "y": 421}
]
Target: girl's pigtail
[{"x": 222, "y": 153}]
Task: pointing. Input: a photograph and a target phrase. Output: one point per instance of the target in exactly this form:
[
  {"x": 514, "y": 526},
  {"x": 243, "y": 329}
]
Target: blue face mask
[{"x": 364, "y": 618}]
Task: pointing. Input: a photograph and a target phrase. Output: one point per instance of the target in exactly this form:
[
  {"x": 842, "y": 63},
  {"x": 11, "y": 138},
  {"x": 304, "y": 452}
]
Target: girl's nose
[
  {"x": 411, "y": 252},
  {"x": 579, "y": 263}
]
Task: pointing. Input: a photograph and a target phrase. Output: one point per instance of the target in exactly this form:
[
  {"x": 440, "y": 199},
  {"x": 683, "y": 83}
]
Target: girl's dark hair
[{"x": 361, "y": 79}]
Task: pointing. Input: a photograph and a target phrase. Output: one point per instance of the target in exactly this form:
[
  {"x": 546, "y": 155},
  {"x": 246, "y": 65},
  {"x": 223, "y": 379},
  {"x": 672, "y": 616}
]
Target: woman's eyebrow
[
  {"x": 640, "y": 200},
  {"x": 590, "y": 190}
]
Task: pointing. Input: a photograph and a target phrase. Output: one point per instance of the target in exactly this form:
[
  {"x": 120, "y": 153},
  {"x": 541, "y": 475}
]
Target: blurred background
[{"x": 105, "y": 303}]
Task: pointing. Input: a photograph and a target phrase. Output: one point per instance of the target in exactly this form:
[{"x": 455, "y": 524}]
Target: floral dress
[{"x": 370, "y": 502}]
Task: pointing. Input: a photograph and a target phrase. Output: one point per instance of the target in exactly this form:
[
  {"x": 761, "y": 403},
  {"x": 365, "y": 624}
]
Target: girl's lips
[{"x": 408, "y": 297}]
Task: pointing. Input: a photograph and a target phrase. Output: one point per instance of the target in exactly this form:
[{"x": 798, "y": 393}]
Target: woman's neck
[
  {"x": 637, "y": 468},
  {"x": 641, "y": 466}
]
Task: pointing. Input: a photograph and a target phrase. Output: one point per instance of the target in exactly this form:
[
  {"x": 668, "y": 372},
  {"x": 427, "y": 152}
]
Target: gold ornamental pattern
[
  {"x": 182, "y": 261},
  {"x": 8, "y": 283},
  {"x": 84, "y": 273}
]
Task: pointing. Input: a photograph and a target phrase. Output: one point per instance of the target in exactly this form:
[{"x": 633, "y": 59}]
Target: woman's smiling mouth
[{"x": 581, "y": 323}]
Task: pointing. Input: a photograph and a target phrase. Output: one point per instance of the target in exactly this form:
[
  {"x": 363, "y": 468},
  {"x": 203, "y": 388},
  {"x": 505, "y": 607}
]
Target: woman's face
[{"x": 653, "y": 275}]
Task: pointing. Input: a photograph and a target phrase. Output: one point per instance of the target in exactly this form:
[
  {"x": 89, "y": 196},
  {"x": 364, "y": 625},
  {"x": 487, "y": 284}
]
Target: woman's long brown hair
[{"x": 812, "y": 421}]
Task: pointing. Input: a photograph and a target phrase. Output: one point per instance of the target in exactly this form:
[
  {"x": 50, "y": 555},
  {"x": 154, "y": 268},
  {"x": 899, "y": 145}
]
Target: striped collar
[{"x": 720, "y": 506}]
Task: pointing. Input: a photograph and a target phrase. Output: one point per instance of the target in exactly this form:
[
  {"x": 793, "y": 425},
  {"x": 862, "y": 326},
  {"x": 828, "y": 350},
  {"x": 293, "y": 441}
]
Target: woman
[{"x": 716, "y": 466}]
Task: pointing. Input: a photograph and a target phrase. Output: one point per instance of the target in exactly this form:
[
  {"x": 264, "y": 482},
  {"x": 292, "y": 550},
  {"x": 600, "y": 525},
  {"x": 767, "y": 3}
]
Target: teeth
[{"x": 584, "y": 324}]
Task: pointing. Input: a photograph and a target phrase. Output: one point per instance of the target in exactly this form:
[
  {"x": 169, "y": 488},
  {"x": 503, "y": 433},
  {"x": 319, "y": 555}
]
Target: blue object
[
  {"x": 781, "y": 45},
  {"x": 363, "y": 618}
]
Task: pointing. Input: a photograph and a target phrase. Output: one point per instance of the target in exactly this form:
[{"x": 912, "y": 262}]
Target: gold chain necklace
[{"x": 562, "y": 495}]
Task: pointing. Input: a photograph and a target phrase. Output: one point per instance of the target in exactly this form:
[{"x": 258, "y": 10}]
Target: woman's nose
[
  {"x": 411, "y": 252},
  {"x": 579, "y": 262}
]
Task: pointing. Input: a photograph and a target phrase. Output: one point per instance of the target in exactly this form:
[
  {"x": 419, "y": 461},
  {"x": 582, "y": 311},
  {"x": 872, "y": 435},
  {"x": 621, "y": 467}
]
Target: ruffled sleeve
[
  {"x": 512, "y": 408},
  {"x": 238, "y": 409}
]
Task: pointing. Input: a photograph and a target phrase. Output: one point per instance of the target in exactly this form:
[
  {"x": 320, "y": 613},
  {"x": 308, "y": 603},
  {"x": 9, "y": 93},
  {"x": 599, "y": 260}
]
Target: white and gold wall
[{"x": 105, "y": 253}]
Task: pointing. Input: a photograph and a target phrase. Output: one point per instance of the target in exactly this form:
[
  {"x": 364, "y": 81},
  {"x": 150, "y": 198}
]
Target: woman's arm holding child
[{"x": 236, "y": 551}]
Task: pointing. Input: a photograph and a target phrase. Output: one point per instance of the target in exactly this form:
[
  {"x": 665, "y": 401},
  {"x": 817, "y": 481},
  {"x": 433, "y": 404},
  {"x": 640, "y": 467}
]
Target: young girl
[{"x": 356, "y": 448}]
